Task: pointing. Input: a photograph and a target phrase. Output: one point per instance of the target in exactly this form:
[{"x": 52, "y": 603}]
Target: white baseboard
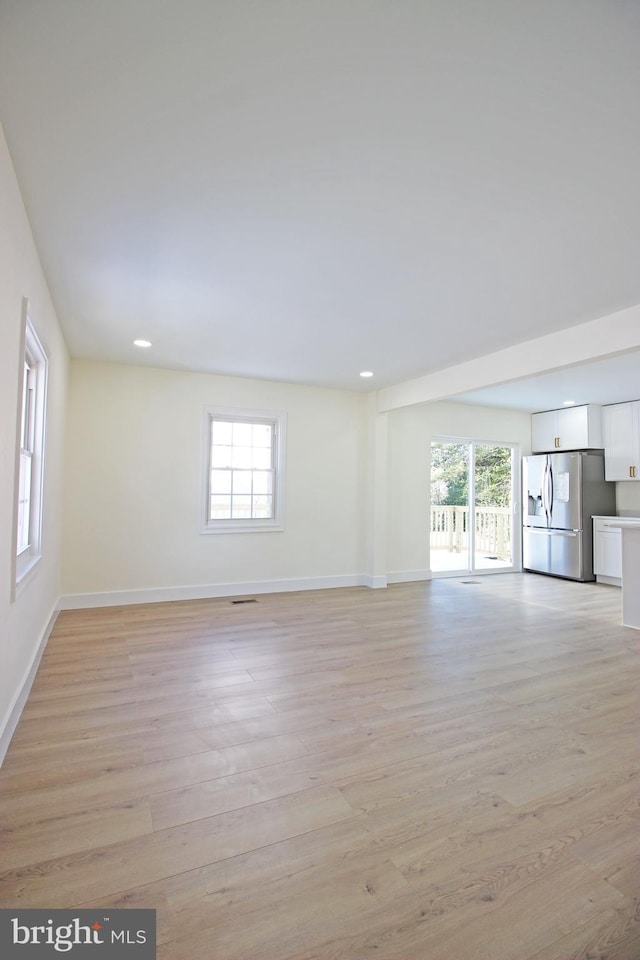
[
  {"x": 116, "y": 598},
  {"x": 408, "y": 576},
  {"x": 375, "y": 583},
  {"x": 12, "y": 716},
  {"x": 612, "y": 581}
]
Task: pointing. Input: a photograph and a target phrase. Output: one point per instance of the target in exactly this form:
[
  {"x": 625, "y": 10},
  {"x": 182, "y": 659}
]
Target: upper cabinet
[
  {"x": 621, "y": 436},
  {"x": 572, "y": 428}
]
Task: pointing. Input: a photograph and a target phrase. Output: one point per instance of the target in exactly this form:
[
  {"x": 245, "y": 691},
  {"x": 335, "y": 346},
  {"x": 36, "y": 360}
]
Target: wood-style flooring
[{"x": 436, "y": 771}]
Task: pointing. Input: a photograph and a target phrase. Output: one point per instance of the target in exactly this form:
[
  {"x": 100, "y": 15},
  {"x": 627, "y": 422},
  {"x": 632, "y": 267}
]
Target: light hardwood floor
[{"x": 436, "y": 771}]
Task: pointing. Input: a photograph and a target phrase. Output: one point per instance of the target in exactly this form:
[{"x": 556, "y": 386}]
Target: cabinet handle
[{"x": 557, "y": 440}]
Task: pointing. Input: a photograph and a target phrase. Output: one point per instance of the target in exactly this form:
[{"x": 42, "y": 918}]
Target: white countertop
[{"x": 620, "y": 521}]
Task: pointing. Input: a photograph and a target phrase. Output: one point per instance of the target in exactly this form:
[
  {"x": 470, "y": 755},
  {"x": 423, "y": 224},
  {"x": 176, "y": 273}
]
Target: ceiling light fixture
[
  {"x": 142, "y": 343},
  {"x": 568, "y": 403},
  {"x": 367, "y": 373}
]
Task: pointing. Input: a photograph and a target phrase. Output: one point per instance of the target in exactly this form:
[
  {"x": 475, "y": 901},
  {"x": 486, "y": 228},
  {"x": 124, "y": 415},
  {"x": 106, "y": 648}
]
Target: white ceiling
[{"x": 301, "y": 189}]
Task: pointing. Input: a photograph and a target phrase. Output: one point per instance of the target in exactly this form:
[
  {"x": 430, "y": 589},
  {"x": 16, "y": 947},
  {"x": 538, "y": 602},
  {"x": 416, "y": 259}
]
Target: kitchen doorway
[{"x": 472, "y": 506}]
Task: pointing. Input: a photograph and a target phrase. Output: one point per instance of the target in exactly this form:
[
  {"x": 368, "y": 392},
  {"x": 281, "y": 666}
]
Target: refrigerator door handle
[
  {"x": 550, "y": 532},
  {"x": 545, "y": 491}
]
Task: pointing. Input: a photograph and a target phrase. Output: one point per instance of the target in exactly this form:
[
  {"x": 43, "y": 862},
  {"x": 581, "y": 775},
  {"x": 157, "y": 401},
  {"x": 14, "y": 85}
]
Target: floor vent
[
  {"x": 252, "y": 600},
  {"x": 471, "y": 581}
]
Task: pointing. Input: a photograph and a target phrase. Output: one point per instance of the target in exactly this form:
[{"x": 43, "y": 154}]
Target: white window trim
[
  {"x": 31, "y": 346},
  {"x": 272, "y": 525}
]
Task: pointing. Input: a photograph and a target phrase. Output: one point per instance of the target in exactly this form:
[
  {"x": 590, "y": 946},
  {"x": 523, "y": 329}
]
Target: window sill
[
  {"x": 25, "y": 570},
  {"x": 242, "y": 526}
]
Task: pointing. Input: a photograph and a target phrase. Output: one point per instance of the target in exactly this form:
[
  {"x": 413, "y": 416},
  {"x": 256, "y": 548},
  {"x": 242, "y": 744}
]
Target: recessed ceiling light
[
  {"x": 568, "y": 403},
  {"x": 367, "y": 373},
  {"x": 142, "y": 343}
]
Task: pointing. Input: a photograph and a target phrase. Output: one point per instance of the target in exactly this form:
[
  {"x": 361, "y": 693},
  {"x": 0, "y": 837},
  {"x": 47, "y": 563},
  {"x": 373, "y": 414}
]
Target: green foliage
[{"x": 450, "y": 474}]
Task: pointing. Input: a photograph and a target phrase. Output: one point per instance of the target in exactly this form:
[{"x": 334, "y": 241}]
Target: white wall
[
  {"x": 133, "y": 498},
  {"x": 411, "y": 430},
  {"x": 628, "y": 498},
  {"x": 24, "y": 623}
]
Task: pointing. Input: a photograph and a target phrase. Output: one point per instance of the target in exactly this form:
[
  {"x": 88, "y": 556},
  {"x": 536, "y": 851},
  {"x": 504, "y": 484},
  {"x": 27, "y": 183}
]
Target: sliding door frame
[{"x": 516, "y": 511}]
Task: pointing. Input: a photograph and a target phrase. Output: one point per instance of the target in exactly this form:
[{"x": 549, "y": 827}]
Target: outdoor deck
[{"x": 449, "y": 538}]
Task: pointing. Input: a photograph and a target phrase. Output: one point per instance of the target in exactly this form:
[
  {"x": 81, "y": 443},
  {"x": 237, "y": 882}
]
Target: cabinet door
[
  {"x": 608, "y": 553},
  {"x": 572, "y": 428},
  {"x": 580, "y": 428},
  {"x": 544, "y": 430},
  {"x": 621, "y": 428}
]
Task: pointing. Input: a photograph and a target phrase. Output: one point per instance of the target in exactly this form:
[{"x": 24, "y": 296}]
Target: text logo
[{"x": 81, "y": 934}]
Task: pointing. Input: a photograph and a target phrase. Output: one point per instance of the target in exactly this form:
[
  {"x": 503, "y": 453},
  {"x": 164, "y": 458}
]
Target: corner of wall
[{"x": 14, "y": 711}]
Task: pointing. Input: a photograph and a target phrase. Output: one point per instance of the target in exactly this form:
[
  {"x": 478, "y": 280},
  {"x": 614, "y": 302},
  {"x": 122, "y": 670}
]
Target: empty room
[{"x": 320, "y": 479}]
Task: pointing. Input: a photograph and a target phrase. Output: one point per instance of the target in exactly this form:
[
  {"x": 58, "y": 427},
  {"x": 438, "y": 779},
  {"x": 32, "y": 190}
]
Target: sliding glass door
[{"x": 472, "y": 506}]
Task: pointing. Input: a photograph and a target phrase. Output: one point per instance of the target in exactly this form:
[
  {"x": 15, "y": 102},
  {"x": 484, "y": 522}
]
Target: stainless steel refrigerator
[{"x": 561, "y": 493}]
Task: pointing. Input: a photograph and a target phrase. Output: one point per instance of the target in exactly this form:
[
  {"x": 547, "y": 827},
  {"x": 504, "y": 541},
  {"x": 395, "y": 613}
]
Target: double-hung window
[
  {"x": 27, "y": 450},
  {"x": 30, "y": 465},
  {"x": 244, "y": 470}
]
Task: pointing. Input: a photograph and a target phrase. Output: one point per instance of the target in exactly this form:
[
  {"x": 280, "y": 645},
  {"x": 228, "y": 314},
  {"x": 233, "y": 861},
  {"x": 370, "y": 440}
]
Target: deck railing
[{"x": 450, "y": 530}]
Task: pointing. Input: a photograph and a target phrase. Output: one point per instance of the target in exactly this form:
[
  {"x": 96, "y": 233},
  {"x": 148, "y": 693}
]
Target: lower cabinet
[{"x": 607, "y": 552}]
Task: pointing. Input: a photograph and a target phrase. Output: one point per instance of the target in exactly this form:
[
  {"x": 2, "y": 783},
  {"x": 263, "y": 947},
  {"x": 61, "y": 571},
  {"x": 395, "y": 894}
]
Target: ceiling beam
[{"x": 613, "y": 334}]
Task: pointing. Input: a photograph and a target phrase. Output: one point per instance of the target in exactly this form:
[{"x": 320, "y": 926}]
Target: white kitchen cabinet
[
  {"x": 572, "y": 428},
  {"x": 621, "y": 439},
  {"x": 607, "y": 550},
  {"x": 544, "y": 429}
]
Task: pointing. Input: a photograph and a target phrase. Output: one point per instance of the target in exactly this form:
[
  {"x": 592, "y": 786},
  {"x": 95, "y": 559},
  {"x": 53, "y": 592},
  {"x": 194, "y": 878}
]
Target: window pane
[
  {"x": 23, "y": 526},
  {"x": 449, "y": 540},
  {"x": 221, "y": 432},
  {"x": 262, "y": 458},
  {"x": 220, "y": 508},
  {"x": 241, "y": 508},
  {"x": 221, "y": 456},
  {"x": 241, "y": 457},
  {"x": 262, "y": 434},
  {"x": 493, "y": 513},
  {"x": 241, "y": 481},
  {"x": 242, "y": 434},
  {"x": 220, "y": 481},
  {"x": 25, "y": 443},
  {"x": 263, "y": 507},
  {"x": 24, "y": 501},
  {"x": 262, "y": 481}
]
